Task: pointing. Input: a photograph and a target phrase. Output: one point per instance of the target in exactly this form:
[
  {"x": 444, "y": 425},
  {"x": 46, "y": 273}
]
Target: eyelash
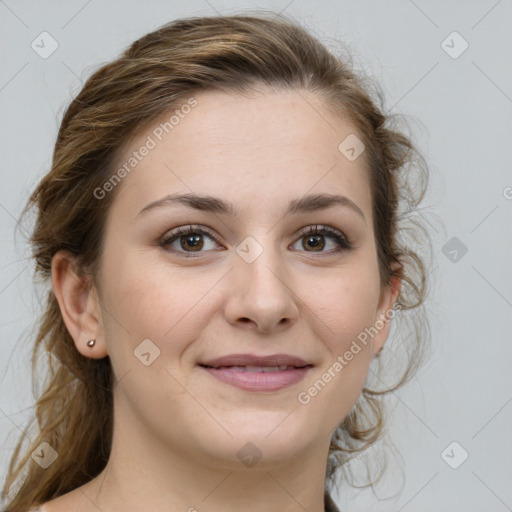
[{"x": 340, "y": 238}]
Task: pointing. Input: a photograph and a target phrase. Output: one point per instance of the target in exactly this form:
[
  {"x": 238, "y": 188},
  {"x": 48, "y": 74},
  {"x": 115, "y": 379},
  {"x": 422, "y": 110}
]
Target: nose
[{"x": 261, "y": 295}]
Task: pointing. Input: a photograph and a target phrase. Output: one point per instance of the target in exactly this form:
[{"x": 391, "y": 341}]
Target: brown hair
[{"x": 230, "y": 53}]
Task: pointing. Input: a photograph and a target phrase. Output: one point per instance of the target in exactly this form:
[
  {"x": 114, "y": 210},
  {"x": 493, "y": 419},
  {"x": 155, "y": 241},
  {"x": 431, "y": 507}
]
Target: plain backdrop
[{"x": 447, "y": 66}]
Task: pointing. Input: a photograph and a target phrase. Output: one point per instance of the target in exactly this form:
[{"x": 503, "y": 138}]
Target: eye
[
  {"x": 189, "y": 239},
  {"x": 315, "y": 238}
]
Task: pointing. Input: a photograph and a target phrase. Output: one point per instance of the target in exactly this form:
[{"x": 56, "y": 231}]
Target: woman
[{"x": 223, "y": 231}]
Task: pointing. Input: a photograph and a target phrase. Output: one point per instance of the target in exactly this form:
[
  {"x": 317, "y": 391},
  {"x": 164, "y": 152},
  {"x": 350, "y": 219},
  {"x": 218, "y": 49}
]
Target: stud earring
[{"x": 91, "y": 343}]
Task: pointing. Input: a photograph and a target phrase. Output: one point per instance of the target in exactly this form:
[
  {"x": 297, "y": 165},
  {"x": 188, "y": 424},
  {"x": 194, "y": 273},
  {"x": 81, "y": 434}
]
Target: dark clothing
[{"x": 329, "y": 505}]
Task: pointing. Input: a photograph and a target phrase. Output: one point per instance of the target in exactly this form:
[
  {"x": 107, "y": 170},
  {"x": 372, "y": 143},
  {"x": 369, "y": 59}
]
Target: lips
[
  {"x": 256, "y": 369},
  {"x": 257, "y": 373},
  {"x": 254, "y": 363}
]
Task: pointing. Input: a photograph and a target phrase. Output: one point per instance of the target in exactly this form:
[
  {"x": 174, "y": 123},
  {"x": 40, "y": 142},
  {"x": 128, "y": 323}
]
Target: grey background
[{"x": 460, "y": 110}]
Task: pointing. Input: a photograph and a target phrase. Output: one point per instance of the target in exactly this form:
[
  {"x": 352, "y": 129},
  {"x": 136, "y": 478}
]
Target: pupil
[
  {"x": 194, "y": 241},
  {"x": 316, "y": 243}
]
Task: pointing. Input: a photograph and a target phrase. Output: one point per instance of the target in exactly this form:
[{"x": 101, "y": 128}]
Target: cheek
[
  {"x": 170, "y": 308},
  {"x": 328, "y": 397},
  {"x": 145, "y": 299},
  {"x": 345, "y": 305},
  {"x": 342, "y": 311}
]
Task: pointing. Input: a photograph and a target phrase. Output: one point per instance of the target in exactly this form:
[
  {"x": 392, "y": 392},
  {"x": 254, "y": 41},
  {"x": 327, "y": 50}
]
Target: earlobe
[{"x": 78, "y": 303}]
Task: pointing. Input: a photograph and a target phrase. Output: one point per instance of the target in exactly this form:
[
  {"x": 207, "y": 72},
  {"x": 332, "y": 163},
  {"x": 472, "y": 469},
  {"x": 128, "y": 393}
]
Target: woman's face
[{"x": 252, "y": 282}]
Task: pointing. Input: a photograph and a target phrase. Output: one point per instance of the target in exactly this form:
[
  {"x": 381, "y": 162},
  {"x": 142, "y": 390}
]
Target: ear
[
  {"x": 79, "y": 304},
  {"x": 385, "y": 312}
]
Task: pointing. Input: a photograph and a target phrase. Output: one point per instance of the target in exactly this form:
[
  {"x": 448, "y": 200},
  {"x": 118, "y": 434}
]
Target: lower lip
[{"x": 258, "y": 381}]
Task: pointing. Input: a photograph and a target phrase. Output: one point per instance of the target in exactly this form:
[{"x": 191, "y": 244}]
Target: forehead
[{"x": 268, "y": 144}]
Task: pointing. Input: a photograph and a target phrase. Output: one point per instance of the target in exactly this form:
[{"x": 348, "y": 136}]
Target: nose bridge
[
  {"x": 261, "y": 292},
  {"x": 260, "y": 264}
]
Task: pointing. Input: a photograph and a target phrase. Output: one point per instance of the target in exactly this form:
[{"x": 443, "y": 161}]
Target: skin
[{"x": 174, "y": 421}]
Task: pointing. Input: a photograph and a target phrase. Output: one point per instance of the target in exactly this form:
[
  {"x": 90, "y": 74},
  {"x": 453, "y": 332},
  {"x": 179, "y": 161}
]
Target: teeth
[
  {"x": 272, "y": 369},
  {"x": 266, "y": 369}
]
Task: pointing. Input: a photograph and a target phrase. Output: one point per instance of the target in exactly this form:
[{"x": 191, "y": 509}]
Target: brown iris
[
  {"x": 194, "y": 242},
  {"x": 318, "y": 242}
]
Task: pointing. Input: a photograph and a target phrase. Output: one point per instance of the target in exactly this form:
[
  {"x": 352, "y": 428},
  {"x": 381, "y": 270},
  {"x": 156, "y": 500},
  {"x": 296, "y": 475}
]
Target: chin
[{"x": 266, "y": 437}]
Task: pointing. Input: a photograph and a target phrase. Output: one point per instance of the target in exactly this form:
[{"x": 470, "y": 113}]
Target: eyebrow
[{"x": 306, "y": 204}]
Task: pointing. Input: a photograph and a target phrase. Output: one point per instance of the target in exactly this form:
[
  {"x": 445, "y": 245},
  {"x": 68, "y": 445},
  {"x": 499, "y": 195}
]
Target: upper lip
[{"x": 254, "y": 360}]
